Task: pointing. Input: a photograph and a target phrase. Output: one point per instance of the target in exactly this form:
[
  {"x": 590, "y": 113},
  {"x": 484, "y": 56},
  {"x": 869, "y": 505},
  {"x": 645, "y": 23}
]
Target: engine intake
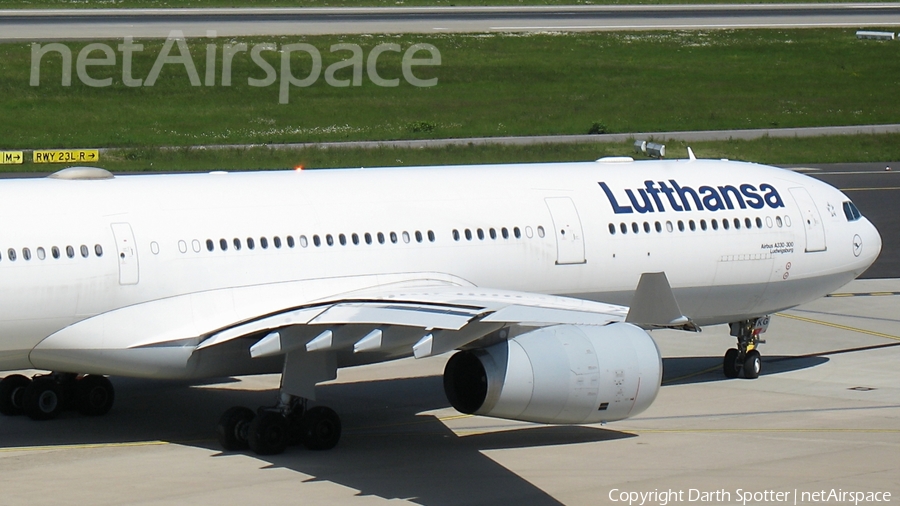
[{"x": 559, "y": 374}]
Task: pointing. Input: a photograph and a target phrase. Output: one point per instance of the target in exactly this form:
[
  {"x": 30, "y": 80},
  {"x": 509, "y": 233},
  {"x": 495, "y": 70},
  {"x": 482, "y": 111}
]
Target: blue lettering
[
  {"x": 773, "y": 199},
  {"x": 684, "y": 198},
  {"x": 646, "y": 208},
  {"x": 753, "y": 198},
  {"x": 612, "y": 200},
  {"x": 712, "y": 202},
  {"x": 737, "y": 195}
]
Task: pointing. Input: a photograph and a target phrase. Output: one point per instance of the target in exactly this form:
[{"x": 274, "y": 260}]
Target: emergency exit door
[{"x": 812, "y": 221}]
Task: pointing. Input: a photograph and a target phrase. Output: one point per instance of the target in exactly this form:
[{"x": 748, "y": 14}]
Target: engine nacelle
[{"x": 559, "y": 374}]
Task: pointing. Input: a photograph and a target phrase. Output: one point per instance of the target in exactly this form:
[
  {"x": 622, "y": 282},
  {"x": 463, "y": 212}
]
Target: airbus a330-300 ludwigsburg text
[{"x": 543, "y": 278}]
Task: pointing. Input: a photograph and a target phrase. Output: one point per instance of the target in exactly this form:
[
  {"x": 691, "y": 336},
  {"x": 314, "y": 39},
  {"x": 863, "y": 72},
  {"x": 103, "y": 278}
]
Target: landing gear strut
[
  {"x": 745, "y": 359},
  {"x": 270, "y": 430},
  {"x": 44, "y": 397}
]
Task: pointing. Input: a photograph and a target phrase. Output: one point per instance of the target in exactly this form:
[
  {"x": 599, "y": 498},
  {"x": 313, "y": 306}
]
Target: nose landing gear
[{"x": 745, "y": 359}]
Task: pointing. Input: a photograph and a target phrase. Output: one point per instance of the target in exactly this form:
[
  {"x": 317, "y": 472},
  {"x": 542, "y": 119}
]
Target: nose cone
[{"x": 866, "y": 245}]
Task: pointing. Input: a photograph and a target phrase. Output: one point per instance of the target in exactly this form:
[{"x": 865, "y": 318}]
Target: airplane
[{"x": 545, "y": 279}]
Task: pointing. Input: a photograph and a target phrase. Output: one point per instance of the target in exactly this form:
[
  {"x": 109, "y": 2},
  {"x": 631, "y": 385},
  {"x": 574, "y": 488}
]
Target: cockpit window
[{"x": 851, "y": 212}]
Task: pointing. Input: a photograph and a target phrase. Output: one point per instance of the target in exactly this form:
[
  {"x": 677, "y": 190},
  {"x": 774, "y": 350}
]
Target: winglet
[{"x": 654, "y": 305}]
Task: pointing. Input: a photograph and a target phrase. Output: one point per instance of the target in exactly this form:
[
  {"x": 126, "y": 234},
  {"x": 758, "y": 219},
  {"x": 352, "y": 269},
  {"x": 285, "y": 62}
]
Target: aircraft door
[
  {"x": 126, "y": 251},
  {"x": 812, "y": 221},
  {"x": 567, "y": 226}
]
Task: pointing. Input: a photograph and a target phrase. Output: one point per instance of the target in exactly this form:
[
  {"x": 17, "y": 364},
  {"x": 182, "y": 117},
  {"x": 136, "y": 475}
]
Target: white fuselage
[{"x": 544, "y": 228}]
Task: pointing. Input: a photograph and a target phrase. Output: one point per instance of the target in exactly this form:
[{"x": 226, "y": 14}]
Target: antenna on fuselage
[{"x": 691, "y": 154}]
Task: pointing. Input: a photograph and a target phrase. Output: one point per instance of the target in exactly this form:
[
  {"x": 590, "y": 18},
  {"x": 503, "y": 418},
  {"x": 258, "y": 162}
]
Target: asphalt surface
[
  {"x": 824, "y": 414},
  {"x": 32, "y": 25}
]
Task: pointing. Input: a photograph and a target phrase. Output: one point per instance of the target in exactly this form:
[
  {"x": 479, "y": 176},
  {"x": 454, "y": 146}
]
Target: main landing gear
[
  {"x": 44, "y": 397},
  {"x": 745, "y": 358},
  {"x": 270, "y": 430}
]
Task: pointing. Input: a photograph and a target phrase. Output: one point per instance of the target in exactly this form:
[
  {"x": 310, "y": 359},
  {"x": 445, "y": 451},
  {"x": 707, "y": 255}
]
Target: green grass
[
  {"x": 860, "y": 148},
  {"x": 488, "y": 85},
  {"x": 88, "y": 4}
]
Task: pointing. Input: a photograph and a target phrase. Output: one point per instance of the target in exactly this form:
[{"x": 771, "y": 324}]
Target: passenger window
[
  {"x": 529, "y": 233},
  {"x": 418, "y": 236},
  {"x": 778, "y": 221},
  {"x": 737, "y": 224},
  {"x": 715, "y": 224},
  {"x": 455, "y": 234},
  {"x": 517, "y": 232},
  {"x": 329, "y": 240},
  {"x": 54, "y": 251},
  {"x": 342, "y": 239},
  {"x": 504, "y": 233},
  {"x": 98, "y": 250},
  {"x": 368, "y": 238},
  {"x": 748, "y": 223},
  {"x": 316, "y": 241},
  {"x": 431, "y": 236},
  {"x": 11, "y": 254},
  {"x": 394, "y": 237},
  {"x": 658, "y": 226},
  {"x": 40, "y": 253},
  {"x": 251, "y": 243},
  {"x": 692, "y": 225},
  {"x": 612, "y": 229},
  {"x": 237, "y": 244},
  {"x": 195, "y": 244},
  {"x": 702, "y": 224},
  {"x": 276, "y": 241},
  {"x": 468, "y": 235},
  {"x": 623, "y": 227},
  {"x": 646, "y": 227},
  {"x": 405, "y": 236},
  {"x": 492, "y": 233},
  {"x": 182, "y": 246},
  {"x": 380, "y": 238},
  {"x": 70, "y": 252},
  {"x": 540, "y": 231},
  {"x": 634, "y": 227},
  {"x": 84, "y": 251},
  {"x": 263, "y": 243},
  {"x": 303, "y": 241},
  {"x": 355, "y": 238},
  {"x": 223, "y": 245},
  {"x": 758, "y": 222},
  {"x": 725, "y": 224},
  {"x": 480, "y": 234},
  {"x": 680, "y": 226},
  {"x": 26, "y": 253},
  {"x": 290, "y": 241}
]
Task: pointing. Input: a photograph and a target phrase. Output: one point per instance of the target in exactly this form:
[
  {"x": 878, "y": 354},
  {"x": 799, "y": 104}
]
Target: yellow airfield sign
[
  {"x": 66, "y": 155},
  {"x": 12, "y": 157}
]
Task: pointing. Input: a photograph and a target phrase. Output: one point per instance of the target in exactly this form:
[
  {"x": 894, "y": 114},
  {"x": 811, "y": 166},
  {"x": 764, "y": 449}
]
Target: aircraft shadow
[
  {"x": 388, "y": 449},
  {"x": 689, "y": 370}
]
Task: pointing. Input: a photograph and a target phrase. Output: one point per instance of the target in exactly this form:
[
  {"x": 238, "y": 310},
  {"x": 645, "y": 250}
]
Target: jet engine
[{"x": 559, "y": 374}]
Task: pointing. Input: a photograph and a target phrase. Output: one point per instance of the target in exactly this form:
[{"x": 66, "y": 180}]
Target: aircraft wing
[{"x": 424, "y": 317}]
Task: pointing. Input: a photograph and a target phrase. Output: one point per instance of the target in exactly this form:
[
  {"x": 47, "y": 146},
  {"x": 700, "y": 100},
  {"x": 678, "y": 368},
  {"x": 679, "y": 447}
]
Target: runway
[
  {"x": 34, "y": 25},
  {"x": 824, "y": 414}
]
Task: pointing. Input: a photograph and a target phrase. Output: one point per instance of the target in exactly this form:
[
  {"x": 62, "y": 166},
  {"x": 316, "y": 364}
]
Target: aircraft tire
[
  {"x": 12, "y": 389},
  {"x": 233, "y": 428},
  {"x": 43, "y": 399},
  {"x": 268, "y": 433},
  {"x": 752, "y": 365},
  {"x": 94, "y": 395},
  {"x": 321, "y": 428},
  {"x": 730, "y": 365}
]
